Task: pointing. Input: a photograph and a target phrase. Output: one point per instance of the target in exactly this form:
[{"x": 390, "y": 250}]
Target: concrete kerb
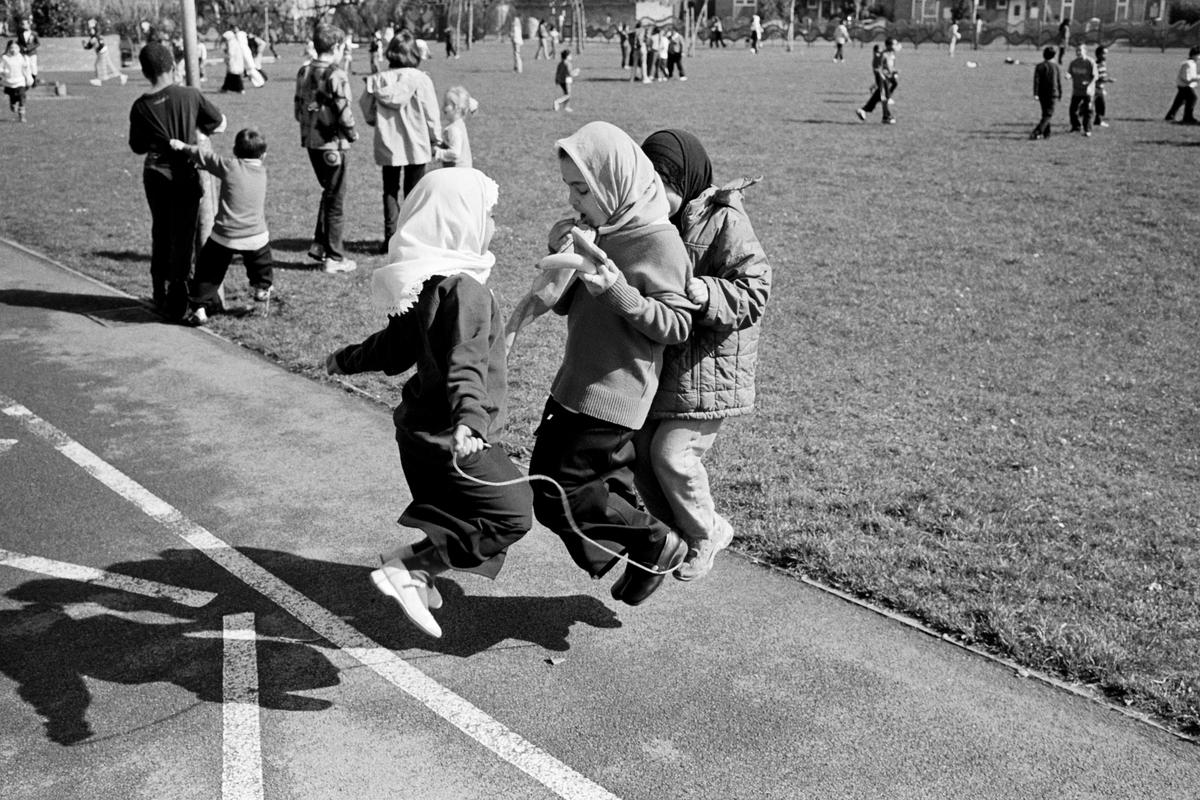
[{"x": 1078, "y": 690}]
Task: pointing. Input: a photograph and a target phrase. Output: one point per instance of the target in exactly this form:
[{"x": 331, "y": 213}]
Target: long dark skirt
[
  {"x": 233, "y": 83},
  {"x": 469, "y": 525}
]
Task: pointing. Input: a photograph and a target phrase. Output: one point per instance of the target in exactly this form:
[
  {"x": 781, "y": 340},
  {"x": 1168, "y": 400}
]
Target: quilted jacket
[{"x": 712, "y": 374}]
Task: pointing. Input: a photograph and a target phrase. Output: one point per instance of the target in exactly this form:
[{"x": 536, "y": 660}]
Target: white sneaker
[
  {"x": 858, "y": 112},
  {"x": 196, "y": 317},
  {"x": 393, "y": 580},
  {"x": 339, "y": 265},
  {"x": 95, "y": 81}
]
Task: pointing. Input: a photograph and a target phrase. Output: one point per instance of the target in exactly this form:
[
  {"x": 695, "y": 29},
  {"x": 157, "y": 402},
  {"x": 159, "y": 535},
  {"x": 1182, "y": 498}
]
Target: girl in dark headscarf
[{"x": 710, "y": 376}]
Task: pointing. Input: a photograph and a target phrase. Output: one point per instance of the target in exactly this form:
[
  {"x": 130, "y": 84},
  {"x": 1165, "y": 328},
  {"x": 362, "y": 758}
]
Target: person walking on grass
[
  {"x": 17, "y": 77},
  {"x": 675, "y": 54},
  {"x": 1186, "y": 82},
  {"x": 1047, "y": 90},
  {"x": 883, "y": 70},
  {"x": 443, "y": 321},
  {"x": 1100, "y": 101},
  {"x": 711, "y": 376},
  {"x": 564, "y": 77},
  {"x": 401, "y": 104},
  {"x": 756, "y": 33},
  {"x": 105, "y": 68},
  {"x": 170, "y": 111},
  {"x": 239, "y": 227},
  {"x": 1064, "y": 38},
  {"x": 1083, "y": 87},
  {"x": 841, "y": 35},
  {"x": 322, "y": 107}
]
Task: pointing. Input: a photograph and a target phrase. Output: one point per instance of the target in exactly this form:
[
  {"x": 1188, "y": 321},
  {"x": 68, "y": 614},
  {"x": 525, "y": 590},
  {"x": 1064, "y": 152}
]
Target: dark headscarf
[{"x": 683, "y": 164}]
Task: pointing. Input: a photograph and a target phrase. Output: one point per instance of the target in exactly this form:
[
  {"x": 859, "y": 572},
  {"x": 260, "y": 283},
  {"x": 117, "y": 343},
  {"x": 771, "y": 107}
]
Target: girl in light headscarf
[
  {"x": 235, "y": 63},
  {"x": 443, "y": 320},
  {"x": 620, "y": 318}
]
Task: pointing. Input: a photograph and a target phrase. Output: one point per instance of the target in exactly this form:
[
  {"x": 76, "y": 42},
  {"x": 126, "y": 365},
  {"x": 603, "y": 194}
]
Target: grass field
[{"x": 980, "y": 379}]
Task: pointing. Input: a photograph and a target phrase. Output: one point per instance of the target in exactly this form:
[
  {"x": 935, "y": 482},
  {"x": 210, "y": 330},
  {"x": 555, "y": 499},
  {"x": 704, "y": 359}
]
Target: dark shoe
[
  {"x": 636, "y": 584},
  {"x": 316, "y": 253}
]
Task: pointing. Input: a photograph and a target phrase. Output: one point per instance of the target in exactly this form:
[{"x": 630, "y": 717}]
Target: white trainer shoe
[{"x": 395, "y": 581}]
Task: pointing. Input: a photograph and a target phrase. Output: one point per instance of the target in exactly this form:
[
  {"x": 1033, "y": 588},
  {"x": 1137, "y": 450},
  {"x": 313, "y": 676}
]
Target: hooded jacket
[
  {"x": 712, "y": 374},
  {"x": 402, "y": 106}
]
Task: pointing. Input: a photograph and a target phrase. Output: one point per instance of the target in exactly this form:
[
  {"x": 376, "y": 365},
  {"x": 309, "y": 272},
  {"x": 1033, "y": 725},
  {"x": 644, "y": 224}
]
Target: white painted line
[
  {"x": 509, "y": 745},
  {"x": 241, "y": 742},
  {"x": 110, "y": 580}
]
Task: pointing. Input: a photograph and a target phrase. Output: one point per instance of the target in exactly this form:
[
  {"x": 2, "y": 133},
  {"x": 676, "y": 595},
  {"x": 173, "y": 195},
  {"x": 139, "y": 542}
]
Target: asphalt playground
[{"x": 186, "y": 531}]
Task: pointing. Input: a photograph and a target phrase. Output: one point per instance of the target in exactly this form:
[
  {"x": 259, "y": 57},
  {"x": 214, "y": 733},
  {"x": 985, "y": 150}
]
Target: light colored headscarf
[
  {"x": 440, "y": 231},
  {"x": 618, "y": 174}
]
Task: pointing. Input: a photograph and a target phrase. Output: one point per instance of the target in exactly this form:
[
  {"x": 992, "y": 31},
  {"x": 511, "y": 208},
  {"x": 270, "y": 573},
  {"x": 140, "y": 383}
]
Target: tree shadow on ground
[
  {"x": 110, "y": 307},
  {"x": 850, "y": 122},
  {"x": 67, "y": 632}
]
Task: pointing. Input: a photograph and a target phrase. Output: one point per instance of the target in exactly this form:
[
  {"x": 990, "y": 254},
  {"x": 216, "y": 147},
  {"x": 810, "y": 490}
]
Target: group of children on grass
[
  {"x": 1089, "y": 90},
  {"x": 662, "y": 298}
]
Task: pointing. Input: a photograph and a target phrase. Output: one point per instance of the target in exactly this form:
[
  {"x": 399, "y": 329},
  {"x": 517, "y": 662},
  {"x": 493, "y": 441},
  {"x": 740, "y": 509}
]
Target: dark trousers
[
  {"x": 393, "y": 177},
  {"x": 16, "y": 96},
  {"x": 212, "y": 264},
  {"x": 332, "y": 177},
  {"x": 233, "y": 83},
  {"x": 174, "y": 215},
  {"x": 1079, "y": 112},
  {"x": 1042, "y": 129},
  {"x": 838, "y": 55},
  {"x": 717, "y": 38},
  {"x": 593, "y": 460},
  {"x": 1185, "y": 98},
  {"x": 469, "y": 525},
  {"x": 674, "y": 62},
  {"x": 1099, "y": 106},
  {"x": 880, "y": 96}
]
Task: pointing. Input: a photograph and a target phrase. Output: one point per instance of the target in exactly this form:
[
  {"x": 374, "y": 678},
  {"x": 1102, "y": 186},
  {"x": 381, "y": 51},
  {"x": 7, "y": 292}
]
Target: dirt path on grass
[{"x": 249, "y": 655}]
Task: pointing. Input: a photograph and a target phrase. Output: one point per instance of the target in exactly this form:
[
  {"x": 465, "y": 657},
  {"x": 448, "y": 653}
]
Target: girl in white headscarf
[
  {"x": 444, "y": 321},
  {"x": 621, "y": 312}
]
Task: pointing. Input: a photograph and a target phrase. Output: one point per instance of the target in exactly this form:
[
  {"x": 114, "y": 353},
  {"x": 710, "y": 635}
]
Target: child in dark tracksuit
[
  {"x": 443, "y": 320},
  {"x": 1047, "y": 90}
]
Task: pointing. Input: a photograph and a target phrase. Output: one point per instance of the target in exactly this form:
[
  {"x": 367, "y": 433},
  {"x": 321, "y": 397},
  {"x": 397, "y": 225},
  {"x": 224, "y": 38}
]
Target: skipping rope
[{"x": 562, "y": 496}]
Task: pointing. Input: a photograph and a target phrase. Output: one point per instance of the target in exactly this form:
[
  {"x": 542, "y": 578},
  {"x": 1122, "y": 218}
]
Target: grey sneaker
[{"x": 699, "y": 561}]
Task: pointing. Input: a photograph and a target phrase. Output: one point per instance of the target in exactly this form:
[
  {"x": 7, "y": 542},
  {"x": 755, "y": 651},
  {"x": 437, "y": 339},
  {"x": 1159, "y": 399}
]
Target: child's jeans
[
  {"x": 1080, "y": 112},
  {"x": 330, "y": 169},
  {"x": 212, "y": 264},
  {"x": 671, "y": 478}
]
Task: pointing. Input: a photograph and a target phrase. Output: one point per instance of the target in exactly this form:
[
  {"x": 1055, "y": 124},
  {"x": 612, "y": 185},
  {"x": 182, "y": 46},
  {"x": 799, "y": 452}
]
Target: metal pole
[{"x": 191, "y": 65}]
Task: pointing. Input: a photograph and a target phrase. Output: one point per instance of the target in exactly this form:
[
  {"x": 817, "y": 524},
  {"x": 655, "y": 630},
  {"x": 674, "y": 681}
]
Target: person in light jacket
[{"x": 402, "y": 105}]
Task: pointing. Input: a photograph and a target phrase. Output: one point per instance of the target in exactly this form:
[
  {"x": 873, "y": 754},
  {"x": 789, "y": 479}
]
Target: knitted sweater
[
  {"x": 615, "y": 341},
  {"x": 240, "y": 209}
]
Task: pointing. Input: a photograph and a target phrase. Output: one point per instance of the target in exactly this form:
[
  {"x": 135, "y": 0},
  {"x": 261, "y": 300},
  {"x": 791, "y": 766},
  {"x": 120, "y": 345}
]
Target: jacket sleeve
[
  {"x": 298, "y": 97},
  {"x": 368, "y": 103},
  {"x": 433, "y": 112},
  {"x": 738, "y": 277},
  {"x": 340, "y": 86},
  {"x": 390, "y": 351},
  {"x": 464, "y": 320}
]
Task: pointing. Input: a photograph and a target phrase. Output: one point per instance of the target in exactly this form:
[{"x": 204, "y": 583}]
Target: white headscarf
[
  {"x": 619, "y": 175},
  {"x": 440, "y": 231}
]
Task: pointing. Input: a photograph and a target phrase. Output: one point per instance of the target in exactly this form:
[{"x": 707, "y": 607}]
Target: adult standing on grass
[
  {"x": 170, "y": 111},
  {"x": 1186, "y": 81},
  {"x": 517, "y": 40},
  {"x": 1083, "y": 87},
  {"x": 322, "y": 107},
  {"x": 675, "y": 54},
  {"x": 623, "y": 41},
  {"x": 1064, "y": 38},
  {"x": 711, "y": 376},
  {"x": 105, "y": 68},
  {"x": 1047, "y": 90},
  {"x": 402, "y": 105}
]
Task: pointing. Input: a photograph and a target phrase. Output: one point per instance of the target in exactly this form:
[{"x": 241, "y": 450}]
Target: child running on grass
[
  {"x": 710, "y": 376},
  {"x": 443, "y": 320},
  {"x": 239, "y": 227},
  {"x": 17, "y": 76},
  {"x": 620, "y": 319},
  {"x": 564, "y": 77}
]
